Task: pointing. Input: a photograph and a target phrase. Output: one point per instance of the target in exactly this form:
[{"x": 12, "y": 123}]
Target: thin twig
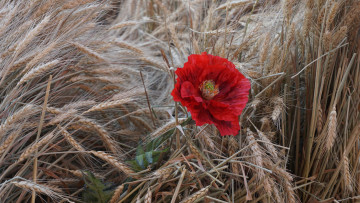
[
  {"x": 38, "y": 135},
  {"x": 147, "y": 99}
]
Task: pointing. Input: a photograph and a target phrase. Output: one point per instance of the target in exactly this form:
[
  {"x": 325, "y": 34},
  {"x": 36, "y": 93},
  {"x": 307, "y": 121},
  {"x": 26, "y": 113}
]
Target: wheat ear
[
  {"x": 148, "y": 196},
  {"x": 109, "y": 142},
  {"x": 38, "y": 71},
  {"x": 114, "y": 162},
  {"x": 39, "y": 56},
  {"x": 28, "y": 110},
  {"x": 8, "y": 141},
  {"x": 331, "y": 131},
  {"x": 88, "y": 51},
  {"x": 30, "y": 150},
  {"x": 31, "y": 35},
  {"x": 42, "y": 189},
  {"x": 197, "y": 195},
  {"x": 109, "y": 104},
  {"x": 117, "y": 193},
  {"x": 71, "y": 140}
]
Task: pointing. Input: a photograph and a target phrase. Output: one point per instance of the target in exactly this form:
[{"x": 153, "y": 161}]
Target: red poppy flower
[{"x": 213, "y": 90}]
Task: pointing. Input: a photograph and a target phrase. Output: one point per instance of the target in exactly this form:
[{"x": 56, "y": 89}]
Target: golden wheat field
[{"x": 88, "y": 110}]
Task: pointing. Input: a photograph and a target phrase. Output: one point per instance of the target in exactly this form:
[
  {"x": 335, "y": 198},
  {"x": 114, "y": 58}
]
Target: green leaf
[
  {"x": 134, "y": 165},
  {"x": 140, "y": 150},
  {"x": 149, "y": 155},
  {"x": 95, "y": 190},
  {"x": 140, "y": 160}
]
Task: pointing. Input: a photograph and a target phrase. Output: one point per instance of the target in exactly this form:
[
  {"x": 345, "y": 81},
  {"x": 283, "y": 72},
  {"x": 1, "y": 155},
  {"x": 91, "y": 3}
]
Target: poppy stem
[{"x": 176, "y": 118}]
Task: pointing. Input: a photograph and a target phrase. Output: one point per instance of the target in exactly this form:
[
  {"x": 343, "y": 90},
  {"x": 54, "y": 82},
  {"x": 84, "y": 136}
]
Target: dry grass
[{"x": 299, "y": 138}]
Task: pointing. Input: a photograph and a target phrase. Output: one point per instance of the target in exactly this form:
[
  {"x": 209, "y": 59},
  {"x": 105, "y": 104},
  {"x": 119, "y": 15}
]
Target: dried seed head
[
  {"x": 320, "y": 120},
  {"x": 330, "y": 19},
  {"x": 332, "y": 132},
  {"x": 346, "y": 174},
  {"x": 148, "y": 196},
  {"x": 197, "y": 195},
  {"x": 117, "y": 193},
  {"x": 163, "y": 173},
  {"x": 113, "y": 161}
]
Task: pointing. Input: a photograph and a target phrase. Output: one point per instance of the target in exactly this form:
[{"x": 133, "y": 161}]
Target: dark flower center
[{"x": 209, "y": 89}]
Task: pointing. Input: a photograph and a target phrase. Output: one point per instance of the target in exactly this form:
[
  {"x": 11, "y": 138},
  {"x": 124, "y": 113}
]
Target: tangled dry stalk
[{"x": 300, "y": 131}]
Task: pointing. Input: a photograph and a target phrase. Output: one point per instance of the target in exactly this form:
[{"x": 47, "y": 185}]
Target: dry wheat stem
[
  {"x": 177, "y": 189},
  {"x": 38, "y": 136}
]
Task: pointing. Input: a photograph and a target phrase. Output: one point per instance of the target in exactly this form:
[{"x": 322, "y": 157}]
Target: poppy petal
[
  {"x": 188, "y": 90},
  {"x": 223, "y": 107},
  {"x": 228, "y": 127}
]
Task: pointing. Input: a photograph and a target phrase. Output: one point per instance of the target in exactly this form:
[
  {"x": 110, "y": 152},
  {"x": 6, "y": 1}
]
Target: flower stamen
[{"x": 209, "y": 89}]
